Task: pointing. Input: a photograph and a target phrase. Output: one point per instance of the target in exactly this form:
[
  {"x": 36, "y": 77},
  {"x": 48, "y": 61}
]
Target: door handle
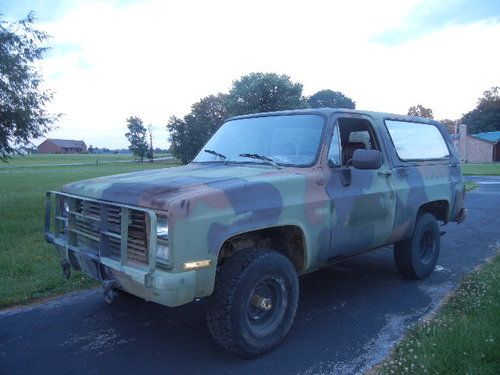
[{"x": 385, "y": 173}]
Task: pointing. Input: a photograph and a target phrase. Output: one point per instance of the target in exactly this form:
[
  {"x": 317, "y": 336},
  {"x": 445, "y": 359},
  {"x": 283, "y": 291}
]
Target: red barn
[{"x": 62, "y": 146}]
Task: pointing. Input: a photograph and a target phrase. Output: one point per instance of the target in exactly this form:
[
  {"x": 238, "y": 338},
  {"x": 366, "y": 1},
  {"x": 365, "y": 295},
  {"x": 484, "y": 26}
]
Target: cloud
[{"x": 430, "y": 16}]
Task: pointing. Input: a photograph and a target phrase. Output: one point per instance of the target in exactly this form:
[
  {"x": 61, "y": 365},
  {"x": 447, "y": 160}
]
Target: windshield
[{"x": 285, "y": 140}]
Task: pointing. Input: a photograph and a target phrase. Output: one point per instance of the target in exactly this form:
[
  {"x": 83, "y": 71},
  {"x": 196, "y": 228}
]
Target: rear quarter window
[{"x": 417, "y": 141}]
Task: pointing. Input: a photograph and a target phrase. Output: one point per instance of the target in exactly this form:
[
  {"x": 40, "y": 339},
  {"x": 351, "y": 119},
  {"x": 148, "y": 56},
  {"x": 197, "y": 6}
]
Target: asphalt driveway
[{"x": 349, "y": 317}]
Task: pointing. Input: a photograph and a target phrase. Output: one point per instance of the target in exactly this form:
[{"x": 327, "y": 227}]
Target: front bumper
[{"x": 143, "y": 280}]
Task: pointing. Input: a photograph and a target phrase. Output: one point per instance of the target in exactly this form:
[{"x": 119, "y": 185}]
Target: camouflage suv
[{"x": 270, "y": 197}]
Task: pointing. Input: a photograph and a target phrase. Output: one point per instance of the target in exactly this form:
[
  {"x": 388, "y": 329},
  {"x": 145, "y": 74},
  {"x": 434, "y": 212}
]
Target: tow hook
[
  {"x": 109, "y": 287},
  {"x": 66, "y": 269},
  {"x": 462, "y": 215}
]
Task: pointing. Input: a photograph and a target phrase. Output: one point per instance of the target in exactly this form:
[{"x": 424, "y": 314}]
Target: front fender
[{"x": 199, "y": 224}]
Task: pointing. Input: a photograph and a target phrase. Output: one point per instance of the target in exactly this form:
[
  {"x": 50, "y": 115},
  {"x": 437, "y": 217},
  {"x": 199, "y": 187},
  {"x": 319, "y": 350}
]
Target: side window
[
  {"x": 334, "y": 150},
  {"x": 417, "y": 141},
  {"x": 355, "y": 134}
]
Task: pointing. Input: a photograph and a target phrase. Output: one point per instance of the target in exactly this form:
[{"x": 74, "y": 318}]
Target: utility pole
[{"x": 150, "y": 130}]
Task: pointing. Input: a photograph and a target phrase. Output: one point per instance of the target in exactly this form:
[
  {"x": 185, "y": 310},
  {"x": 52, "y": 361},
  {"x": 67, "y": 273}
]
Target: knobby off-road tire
[
  {"x": 417, "y": 256},
  {"x": 254, "y": 302}
]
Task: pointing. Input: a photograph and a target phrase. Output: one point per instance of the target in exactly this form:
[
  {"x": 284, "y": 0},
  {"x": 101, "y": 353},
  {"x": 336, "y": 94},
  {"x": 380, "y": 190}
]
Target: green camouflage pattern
[{"x": 209, "y": 203}]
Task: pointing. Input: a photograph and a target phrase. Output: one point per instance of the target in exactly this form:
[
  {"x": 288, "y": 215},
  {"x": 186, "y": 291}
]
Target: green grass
[
  {"x": 490, "y": 169},
  {"x": 470, "y": 185},
  {"x": 47, "y": 159},
  {"x": 464, "y": 336},
  {"x": 29, "y": 266}
]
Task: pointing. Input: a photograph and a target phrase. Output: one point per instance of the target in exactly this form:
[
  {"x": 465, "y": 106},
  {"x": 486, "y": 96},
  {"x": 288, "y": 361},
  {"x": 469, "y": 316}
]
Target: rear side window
[{"x": 417, "y": 141}]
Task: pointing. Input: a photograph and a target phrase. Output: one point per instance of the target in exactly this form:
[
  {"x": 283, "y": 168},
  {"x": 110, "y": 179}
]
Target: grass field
[
  {"x": 464, "y": 336},
  {"x": 491, "y": 169},
  {"x": 51, "y": 159},
  {"x": 29, "y": 267}
]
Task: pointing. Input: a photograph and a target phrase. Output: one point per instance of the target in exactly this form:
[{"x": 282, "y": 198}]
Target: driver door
[{"x": 362, "y": 201}]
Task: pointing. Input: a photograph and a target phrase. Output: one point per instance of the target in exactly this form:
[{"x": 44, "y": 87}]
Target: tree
[
  {"x": 264, "y": 92},
  {"x": 91, "y": 149},
  {"x": 450, "y": 125},
  {"x": 23, "y": 114},
  {"x": 252, "y": 93},
  {"x": 420, "y": 111},
  {"x": 486, "y": 116},
  {"x": 189, "y": 134},
  {"x": 332, "y": 99},
  {"x": 136, "y": 135}
]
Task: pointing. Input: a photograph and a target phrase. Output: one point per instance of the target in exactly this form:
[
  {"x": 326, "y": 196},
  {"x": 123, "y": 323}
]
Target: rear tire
[
  {"x": 417, "y": 256},
  {"x": 254, "y": 302}
]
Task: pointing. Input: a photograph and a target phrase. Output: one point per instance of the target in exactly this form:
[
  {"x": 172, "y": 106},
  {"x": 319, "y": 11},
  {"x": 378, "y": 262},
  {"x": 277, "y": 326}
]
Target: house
[
  {"x": 477, "y": 148},
  {"x": 62, "y": 146}
]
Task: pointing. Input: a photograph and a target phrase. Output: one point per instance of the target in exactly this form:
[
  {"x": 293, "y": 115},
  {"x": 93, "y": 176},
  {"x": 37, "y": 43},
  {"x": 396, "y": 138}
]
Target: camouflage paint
[{"x": 208, "y": 203}]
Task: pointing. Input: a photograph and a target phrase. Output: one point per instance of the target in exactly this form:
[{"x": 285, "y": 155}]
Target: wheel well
[
  {"x": 438, "y": 208},
  {"x": 287, "y": 239}
]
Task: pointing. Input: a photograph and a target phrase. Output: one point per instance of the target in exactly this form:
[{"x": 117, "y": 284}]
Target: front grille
[{"x": 97, "y": 228}]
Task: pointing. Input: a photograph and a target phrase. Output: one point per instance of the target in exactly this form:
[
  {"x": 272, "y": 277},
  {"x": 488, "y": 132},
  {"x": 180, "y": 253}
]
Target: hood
[{"x": 156, "y": 188}]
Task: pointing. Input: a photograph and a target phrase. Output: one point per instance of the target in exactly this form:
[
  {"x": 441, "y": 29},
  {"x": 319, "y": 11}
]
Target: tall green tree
[
  {"x": 136, "y": 135},
  {"x": 189, "y": 134},
  {"x": 420, "y": 111},
  {"x": 23, "y": 101},
  {"x": 330, "y": 98},
  {"x": 486, "y": 116},
  {"x": 264, "y": 92}
]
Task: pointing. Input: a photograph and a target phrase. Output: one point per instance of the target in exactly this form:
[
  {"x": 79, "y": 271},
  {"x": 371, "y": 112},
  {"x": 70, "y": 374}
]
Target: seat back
[{"x": 349, "y": 148}]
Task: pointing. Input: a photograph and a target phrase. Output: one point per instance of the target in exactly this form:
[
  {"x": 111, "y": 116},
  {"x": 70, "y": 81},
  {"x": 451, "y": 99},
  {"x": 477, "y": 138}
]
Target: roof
[
  {"x": 488, "y": 136},
  {"x": 329, "y": 111},
  {"x": 67, "y": 143}
]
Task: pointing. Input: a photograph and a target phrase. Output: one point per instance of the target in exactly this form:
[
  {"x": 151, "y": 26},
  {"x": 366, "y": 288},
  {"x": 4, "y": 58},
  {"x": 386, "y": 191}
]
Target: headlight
[
  {"x": 162, "y": 247},
  {"x": 162, "y": 228},
  {"x": 64, "y": 206}
]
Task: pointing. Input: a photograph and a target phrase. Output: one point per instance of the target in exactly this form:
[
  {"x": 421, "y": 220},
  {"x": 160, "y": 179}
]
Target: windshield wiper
[
  {"x": 261, "y": 157},
  {"x": 220, "y": 156}
]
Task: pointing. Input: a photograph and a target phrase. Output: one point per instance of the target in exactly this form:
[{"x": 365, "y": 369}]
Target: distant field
[
  {"x": 47, "y": 159},
  {"x": 29, "y": 267},
  {"x": 491, "y": 169}
]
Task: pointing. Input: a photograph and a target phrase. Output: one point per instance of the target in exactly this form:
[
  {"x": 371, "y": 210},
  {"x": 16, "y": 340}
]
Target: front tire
[
  {"x": 254, "y": 302},
  {"x": 417, "y": 256}
]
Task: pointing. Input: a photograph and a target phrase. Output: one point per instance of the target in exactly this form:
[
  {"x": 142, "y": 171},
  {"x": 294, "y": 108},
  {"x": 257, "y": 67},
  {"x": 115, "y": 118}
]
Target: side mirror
[{"x": 367, "y": 159}]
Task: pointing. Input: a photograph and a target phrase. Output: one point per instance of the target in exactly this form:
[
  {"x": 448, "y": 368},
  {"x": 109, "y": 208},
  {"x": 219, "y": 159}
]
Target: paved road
[{"x": 349, "y": 317}]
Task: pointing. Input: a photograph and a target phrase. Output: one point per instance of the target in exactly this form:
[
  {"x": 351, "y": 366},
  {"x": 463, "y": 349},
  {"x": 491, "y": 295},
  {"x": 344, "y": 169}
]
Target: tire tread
[
  {"x": 403, "y": 250},
  {"x": 221, "y": 319}
]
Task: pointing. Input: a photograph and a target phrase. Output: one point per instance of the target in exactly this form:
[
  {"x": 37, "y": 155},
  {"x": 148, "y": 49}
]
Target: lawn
[
  {"x": 470, "y": 185},
  {"x": 29, "y": 267},
  {"x": 464, "y": 336},
  {"x": 491, "y": 169},
  {"x": 48, "y": 159}
]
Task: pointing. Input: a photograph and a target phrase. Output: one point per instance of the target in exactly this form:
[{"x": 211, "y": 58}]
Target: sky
[{"x": 111, "y": 59}]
